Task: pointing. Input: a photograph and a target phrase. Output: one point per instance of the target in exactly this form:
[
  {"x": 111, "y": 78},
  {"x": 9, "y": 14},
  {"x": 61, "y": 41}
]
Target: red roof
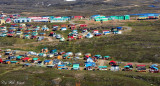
[
  {"x": 83, "y": 25},
  {"x": 78, "y": 17},
  {"x": 113, "y": 61},
  {"x": 95, "y": 30},
  {"x": 26, "y": 58}
]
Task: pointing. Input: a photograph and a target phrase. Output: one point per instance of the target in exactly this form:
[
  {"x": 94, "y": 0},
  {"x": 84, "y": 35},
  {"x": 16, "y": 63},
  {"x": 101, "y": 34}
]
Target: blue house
[{"x": 22, "y": 20}]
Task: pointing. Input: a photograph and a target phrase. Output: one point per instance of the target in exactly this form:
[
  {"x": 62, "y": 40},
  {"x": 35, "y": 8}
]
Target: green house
[
  {"x": 35, "y": 59},
  {"x": 19, "y": 57},
  {"x": 76, "y": 66}
]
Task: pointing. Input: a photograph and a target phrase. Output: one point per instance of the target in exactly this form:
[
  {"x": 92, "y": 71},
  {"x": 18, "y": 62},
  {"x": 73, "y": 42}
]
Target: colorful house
[
  {"x": 115, "y": 68},
  {"x": 26, "y": 59},
  {"x": 102, "y": 67},
  {"x": 83, "y": 25},
  {"x": 78, "y": 17},
  {"x": 19, "y": 57},
  {"x": 35, "y": 60},
  {"x": 95, "y": 31},
  {"x": 154, "y": 68},
  {"x": 48, "y": 62},
  {"x": 141, "y": 68},
  {"x": 59, "y": 19},
  {"x": 45, "y": 28},
  {"x": 100, "y": 18},
  {"x": 3, "y": 28},
  {"x": 63, "y": 29},
  {"x": 22, "y": 20},
  {"x": 124, "y": 17},
  {"x": 75, "y": 66},
  {"x": 106, "y": 32},
  {"x": 8, "y": 20}
]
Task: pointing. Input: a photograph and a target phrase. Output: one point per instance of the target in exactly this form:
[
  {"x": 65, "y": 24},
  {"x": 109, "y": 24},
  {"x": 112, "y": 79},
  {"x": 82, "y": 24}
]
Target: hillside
[{"x": 79, "y": 7}]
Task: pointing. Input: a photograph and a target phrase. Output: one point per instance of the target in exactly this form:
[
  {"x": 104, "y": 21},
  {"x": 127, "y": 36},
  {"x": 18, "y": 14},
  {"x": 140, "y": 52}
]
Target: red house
[
  {"x": 26, "y": 59},
  {"x": 8, "y": 20},
  {"x": 1, "y": 60},
  {"x": 83, "y": 25},
  {"x": 112, "y": 62},
  {"x": 95, "y": 31},
  {"x": 78, "y": 17}
]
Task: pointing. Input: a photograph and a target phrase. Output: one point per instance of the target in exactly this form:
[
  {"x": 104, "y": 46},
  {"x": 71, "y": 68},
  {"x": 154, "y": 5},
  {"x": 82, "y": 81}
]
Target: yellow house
[{"x": 2, "y": 21}]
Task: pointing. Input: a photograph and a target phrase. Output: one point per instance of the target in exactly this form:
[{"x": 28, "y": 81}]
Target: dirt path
[{"x": 101, "y": 62}]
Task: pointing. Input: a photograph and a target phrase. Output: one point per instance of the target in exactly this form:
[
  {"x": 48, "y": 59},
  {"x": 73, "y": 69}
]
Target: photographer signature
[{"x": 12, "y": 82}]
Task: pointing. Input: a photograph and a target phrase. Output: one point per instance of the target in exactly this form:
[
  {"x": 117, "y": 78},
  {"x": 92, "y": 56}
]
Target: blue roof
[
  {"x": 47, "y": 61},
  {"x": 142, "y": 14},
  {"x": 61, "y": 65},
  {"x": 88, "y": 64},
  {"x": 7, "y": 60}
]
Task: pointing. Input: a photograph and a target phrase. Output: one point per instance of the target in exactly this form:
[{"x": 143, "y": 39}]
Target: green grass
[
  {"x": 142, "y": 44},
  {"x": 9, "y": 41},
  {"x": 45, "y": 76}
]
